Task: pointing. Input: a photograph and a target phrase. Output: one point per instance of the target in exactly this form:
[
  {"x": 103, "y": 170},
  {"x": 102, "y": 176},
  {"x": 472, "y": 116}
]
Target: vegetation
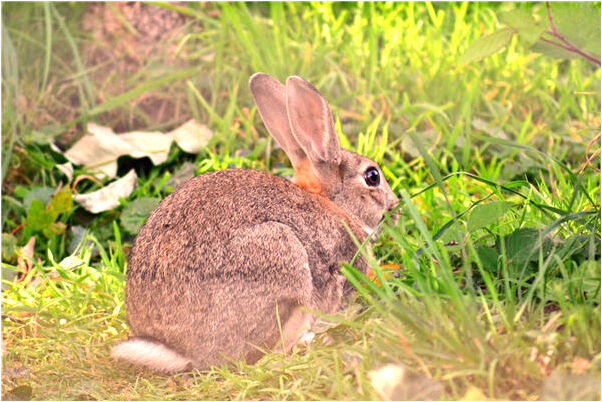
[{"x": 488, "y": 286}]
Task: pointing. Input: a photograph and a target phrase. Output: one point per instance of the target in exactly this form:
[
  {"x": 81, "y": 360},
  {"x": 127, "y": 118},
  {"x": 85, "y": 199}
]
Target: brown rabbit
[{"x": 228, "y": 251}]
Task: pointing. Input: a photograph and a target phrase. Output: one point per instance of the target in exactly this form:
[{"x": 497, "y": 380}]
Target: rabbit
[{"x": 232, "y": 262}]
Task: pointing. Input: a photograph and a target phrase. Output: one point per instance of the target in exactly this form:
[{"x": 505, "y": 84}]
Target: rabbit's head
[{"x": 299, "y": 119}]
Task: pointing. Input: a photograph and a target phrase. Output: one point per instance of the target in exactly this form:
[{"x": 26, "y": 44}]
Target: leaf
[
  {"x": 579, "y": 22},
  {"x": 101, "y": 147},
  {"x": 191, "y": 136},
  {"x": 61, "y": 203},
  {"x": 518, "y": 19},
  {"x": 484, "y": 215},
  {"x": 19, "y": 393},
  {"x": 553, "y": 51},
  {"x": 570, "y": 387},
  {"x": 135, "y": 213},
  {"x": 488, "y": 257},
  {"x": 54, "y": 229},
  {"x": 394, "y": 382},
  {"x": 9, "y": 247},
  {"x": 71, "y": 262},
  {"x": 38, "y": 217},
  {"x": 108, "y": 197},
  {"x": 66, "y": 168},
  {"x": 531, "y": 35},
  {"x": 524, "y": 23},
  {"x": 487, "y": 45},
  {"x": 43, "y": 194},
  {"x": 524, "y": 244}
]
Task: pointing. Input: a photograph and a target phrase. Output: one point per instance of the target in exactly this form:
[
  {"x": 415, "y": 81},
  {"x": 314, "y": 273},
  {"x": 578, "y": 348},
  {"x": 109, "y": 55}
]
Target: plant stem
[{"x": 566, "y": 44}]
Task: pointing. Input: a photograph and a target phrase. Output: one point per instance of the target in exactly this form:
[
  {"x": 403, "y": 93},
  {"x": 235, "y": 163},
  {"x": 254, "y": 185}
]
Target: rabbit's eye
[{"x": 372, "y": 176}]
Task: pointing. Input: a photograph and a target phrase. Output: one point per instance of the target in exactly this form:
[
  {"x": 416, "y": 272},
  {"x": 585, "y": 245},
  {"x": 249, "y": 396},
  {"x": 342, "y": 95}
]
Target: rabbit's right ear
[
  {"x": 270, "y": 97},
  {"x": 312, "y": 123}
]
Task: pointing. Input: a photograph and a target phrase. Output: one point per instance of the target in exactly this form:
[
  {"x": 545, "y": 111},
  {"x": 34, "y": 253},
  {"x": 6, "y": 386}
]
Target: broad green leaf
[
  {"x": 488, "y": 257},
  {"x": 488, "y": 45},
  {"x": 524, "y": 245},
  {"x": 579, "y": 22},
  {"x": 531, "y": 35},
  {"x": 54, "y": 229},
  {"x": 553, "y": 51},
  {"x": 522, "y": 20},
  {"x": 44, "y": 194},
  {"x": 484, "y": 215},
  {"x": 518, "y": 19},
  {"x": 61, "y": 202},
  {"x": 38, "y": 217},
  {"x": 135, "y": 213},
  {"x": 9, "y": 247}
]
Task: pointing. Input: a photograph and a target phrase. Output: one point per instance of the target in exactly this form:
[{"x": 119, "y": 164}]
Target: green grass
[{"x": 498, "y": 305}]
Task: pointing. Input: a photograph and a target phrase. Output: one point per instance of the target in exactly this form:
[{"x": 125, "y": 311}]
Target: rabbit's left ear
[
  {"x": 312, "y": 123},
  {"x": 270, "y": 97}
]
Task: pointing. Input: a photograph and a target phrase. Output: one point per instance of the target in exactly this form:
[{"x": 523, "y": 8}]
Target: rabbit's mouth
[
  {"x": 375, "y": 231},
  {"x": 393, "y": 216}
]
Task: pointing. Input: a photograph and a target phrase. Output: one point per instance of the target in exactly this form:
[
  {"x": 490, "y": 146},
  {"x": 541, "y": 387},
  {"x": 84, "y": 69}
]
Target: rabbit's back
[{"x": 218, "y": 256}]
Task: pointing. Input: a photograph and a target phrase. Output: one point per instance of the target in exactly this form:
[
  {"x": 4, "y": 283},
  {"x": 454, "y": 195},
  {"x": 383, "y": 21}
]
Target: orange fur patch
[{"x": 305, "y": 178}]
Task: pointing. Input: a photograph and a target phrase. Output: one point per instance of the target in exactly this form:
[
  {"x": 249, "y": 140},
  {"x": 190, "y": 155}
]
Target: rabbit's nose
[{"x": 392, "y": 201}]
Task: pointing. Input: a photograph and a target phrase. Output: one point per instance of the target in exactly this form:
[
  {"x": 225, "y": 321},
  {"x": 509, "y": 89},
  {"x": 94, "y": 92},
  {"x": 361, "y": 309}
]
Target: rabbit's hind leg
[{"x": 275, "y": 282}]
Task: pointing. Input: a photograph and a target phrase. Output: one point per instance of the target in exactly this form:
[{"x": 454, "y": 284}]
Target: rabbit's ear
[
  {"x": 311, "y": 122},
  {"x": 270, "y": 98}
]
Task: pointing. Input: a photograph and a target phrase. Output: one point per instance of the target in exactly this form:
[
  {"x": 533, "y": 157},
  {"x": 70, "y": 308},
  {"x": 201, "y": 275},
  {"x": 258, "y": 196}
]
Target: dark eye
[{"x": 372, "y": 176}]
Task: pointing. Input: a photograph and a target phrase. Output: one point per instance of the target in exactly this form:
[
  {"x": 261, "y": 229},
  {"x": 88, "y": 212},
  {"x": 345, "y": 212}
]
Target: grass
[{"x": 499, "y": 233}]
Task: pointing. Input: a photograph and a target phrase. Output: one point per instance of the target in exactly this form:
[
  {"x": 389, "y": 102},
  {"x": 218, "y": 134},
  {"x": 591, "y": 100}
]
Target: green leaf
[
  {"x": 579, "y": 22},
  {"x": 44, "y": 194},
  {"x": 524, "y": 245},
  {"x": 485, "y": 214},
  {"x": 531, "y": 35},
  {"x": 488, "y": 45},
  {"x": 135, "y": 213},
  {"x": 553, "y": 51},
  {"x": 54, "y": 229},
  {"x": 523, "y": 22},
  {"x": 38, "y": 217},
  {"x": 61, "y": 202},
  {"x": 9, "y": 247},
  {"x": 518, "y": 19},
  {"x": 488, "y": 257}
]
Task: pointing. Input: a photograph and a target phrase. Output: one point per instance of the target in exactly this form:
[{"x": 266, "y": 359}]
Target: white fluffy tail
[{"x": 152, "y": 354}]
